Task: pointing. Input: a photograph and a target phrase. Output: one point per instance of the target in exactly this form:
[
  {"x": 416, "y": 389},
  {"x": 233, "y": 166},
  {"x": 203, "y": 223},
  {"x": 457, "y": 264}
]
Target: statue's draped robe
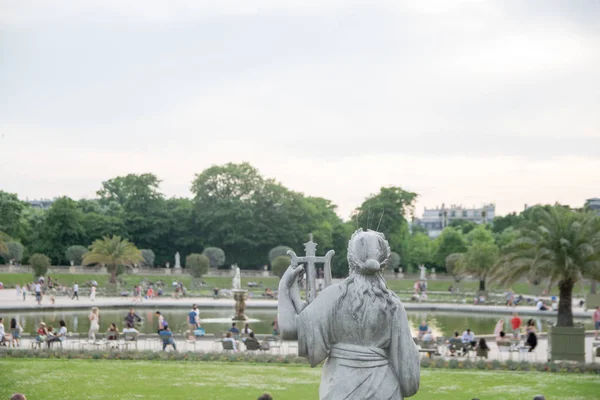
[{"x": 372, "y": 356}]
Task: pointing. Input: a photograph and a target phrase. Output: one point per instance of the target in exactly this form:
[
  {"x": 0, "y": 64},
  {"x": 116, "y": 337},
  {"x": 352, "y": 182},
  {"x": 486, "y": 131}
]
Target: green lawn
[
  {"x": 111, "y": 379},
  {"x": 10, "y": 279}
]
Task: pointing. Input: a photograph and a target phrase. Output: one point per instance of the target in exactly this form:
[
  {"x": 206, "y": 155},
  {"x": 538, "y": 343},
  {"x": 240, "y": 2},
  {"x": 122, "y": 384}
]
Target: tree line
[{"x": 236, "y": 216}]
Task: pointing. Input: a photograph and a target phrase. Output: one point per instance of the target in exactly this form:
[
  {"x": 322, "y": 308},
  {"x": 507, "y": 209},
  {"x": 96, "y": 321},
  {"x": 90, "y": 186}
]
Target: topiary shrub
[
  {"x": 149, "y": 257},
  {"x": 394, "y": 261},
  {"x": 216, "y": 256},
  {"x": 280, "y": 264},
  {"x": 198, "y": 264},
  {"x": 15, "y": 251},
  {"x": 278, "y": 252},
  {"x": 40, "y": 264},
  {"x": 75, "y": 254}
]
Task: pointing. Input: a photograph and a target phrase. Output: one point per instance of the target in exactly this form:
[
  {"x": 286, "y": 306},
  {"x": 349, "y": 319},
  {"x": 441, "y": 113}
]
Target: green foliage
[
  {"x": 449, "y": 242},
  {"x": 420, "y": 250},
  {"x": 112, "y": 252},
  {"x": 62, "y": 227},
  {"x": 394, "y": 260},
  {"x": 280, "y": 264},
  {"x": 11, "y": 209},
  {"x": 148, "y": 256},
  {"x": 15, "y": 251},
  {"x": 392, "y": 206},
  {"x": 512, "y": 220},
  {"x": 198, "y": 264},
  {"x": 463, "y": 225},
  {"x": 277, "y": 252},
  {"x": 558, "y": 243},
  {"x": 479, "y": 260},
  {"x": 40, "y": 264},
  {"x": 453, "y": 265},
  {"x": 4, "y": 239},
  {"x": 75, "y": 254},
  {"x": 216, "y": 256}
]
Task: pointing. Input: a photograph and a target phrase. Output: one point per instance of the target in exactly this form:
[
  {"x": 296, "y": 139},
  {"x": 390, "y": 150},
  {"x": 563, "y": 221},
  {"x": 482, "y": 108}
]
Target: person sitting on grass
[
  {"x": 167, "y": 338},
  {"x": 265, "y": 396},
  {"x": 18, "y": 396}
]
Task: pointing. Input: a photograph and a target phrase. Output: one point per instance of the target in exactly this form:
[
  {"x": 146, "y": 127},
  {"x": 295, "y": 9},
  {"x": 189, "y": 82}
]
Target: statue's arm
[{"x": 289, "y": 303}]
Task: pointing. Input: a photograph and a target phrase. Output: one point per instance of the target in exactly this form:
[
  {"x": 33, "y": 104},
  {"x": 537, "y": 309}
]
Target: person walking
[
  {"x": 94, "y": 318},
  {"x": 24, "y": 291},
  {"x": 75, "y": 291},
  {"x": 93, "y": 293},
  {"x": 38, "y": 293}
]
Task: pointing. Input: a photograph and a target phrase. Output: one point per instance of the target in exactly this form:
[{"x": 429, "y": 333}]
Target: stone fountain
[{"x": 239, "y": 295}]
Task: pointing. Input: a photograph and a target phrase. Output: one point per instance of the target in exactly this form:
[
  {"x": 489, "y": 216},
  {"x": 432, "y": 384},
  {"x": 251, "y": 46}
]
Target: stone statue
[
  {"x": 236, "y": 282},
  {"x": 359, "y": 326},
  {"x": 423, "y": 276},
  {"x": 177, "y": 260}
]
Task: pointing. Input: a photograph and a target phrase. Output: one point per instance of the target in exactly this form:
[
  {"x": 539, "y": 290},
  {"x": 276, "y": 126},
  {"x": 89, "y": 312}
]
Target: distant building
[
  {"x": 43, "y": 204},
  {"x": 593, "y": 204},
  {"x": 434, "y": 220}
]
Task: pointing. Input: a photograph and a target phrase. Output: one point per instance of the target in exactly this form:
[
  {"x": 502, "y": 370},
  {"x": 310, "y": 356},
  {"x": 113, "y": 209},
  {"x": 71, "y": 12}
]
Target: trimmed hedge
[{"x": 267, "y": 358}]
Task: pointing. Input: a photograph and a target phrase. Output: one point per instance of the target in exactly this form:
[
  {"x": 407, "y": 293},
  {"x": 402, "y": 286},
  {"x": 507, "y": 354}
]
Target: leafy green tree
[
  {"x": 501, "y": 223},
  {"x": 97, "y": 225},
  {"x": 558, "y": 243},
  {"x": 394, "y": 261},
  {"x": 465, "y": 226},
  {"x": 420, "y": 250},
  {"x": 144, "y": 211},
  {"x": 4, "y": 239},
  {"x": 11, "y": 209},
  {"x": 198, "y": 264},
  {"x": 450, "y": 241},
  {"x": 61, "y": 228},
  {"x": 112, "y": 252},
  {"x": 453, "y": 265},
  {"x": 216, "y": 256},
  {"x": 280, "y": 264},
  {"x": 479, "y": 260},
  {"x": 148, "y": 256},
  {"x": 40, "y": 264},
  {"x": 391, "y": 206},
  {"x": 480, "y": 234},
  {"x": 277, "y": 252},
  {"x": 14, "y": 251},
  {"x": 75, "y": 254}
]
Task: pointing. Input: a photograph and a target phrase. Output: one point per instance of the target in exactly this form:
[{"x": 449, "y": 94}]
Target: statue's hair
[
  {"x": 366, "y": 284},
  {"x": 362, "y": 289},
  {"x": 365, "y": 245}
]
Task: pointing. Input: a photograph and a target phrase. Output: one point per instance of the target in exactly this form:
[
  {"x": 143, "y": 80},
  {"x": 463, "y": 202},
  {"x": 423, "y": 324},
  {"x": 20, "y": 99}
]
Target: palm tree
[
  {"x": 112, "y": 252},
  {"x": 556, "y": 243}
]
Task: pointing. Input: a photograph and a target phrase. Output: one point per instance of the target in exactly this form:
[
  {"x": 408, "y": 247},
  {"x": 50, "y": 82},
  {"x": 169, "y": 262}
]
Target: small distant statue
[
  {"x": 236, "y": 282},
  {"x": 177, "y": 260},
  {"x": 423, "y": 276},
  {"x": 168, "y": 265},
  {"x": 358, "y": 326}
]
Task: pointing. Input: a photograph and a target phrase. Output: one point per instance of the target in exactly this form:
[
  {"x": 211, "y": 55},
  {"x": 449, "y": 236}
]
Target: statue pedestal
[
  {"x": 433, "y": 276},
  {"x": 240, "y": 296},
  {"x": 177, "y": 270},
  {"x": 167, "y": 271}
]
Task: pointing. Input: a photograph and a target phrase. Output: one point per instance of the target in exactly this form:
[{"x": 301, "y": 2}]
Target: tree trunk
[
  {"x": 482, "y": 285},
  {"x": 565, "y": 303},
  {"x": 113, "y": 274},
  {"x": 593, "y": 287}
]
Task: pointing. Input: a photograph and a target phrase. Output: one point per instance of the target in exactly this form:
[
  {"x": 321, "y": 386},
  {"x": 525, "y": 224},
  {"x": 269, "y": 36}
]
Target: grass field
[
  {"x": 397, "y": 285},
  {"x": 110, "y": 379}
]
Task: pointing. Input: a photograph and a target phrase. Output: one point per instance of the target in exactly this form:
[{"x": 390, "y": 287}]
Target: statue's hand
[{"x": 291, "y": 275}]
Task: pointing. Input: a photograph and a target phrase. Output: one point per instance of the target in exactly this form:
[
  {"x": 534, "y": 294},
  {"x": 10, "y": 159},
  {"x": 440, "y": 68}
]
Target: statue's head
[{"x": 368, "y": 252}]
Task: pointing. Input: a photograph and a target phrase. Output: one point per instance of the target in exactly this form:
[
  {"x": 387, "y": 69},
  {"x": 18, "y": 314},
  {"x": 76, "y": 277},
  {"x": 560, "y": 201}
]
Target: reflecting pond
[{"x": 219, "y": 320}]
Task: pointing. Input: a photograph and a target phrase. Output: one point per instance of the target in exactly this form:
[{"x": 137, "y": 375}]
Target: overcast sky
[{"x": 462, "y": 102}]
